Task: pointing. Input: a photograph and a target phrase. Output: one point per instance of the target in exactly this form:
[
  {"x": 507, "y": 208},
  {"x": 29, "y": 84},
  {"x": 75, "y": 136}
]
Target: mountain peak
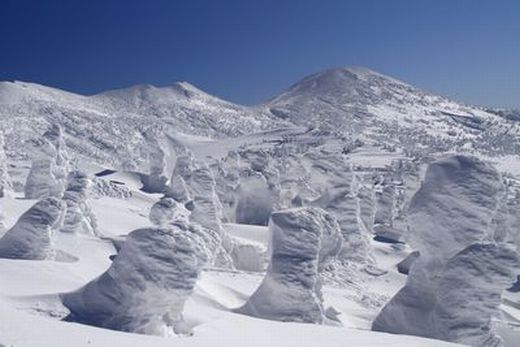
[
  {"x": 188, "y": 89},
  {"x": 340, "y": 80}
]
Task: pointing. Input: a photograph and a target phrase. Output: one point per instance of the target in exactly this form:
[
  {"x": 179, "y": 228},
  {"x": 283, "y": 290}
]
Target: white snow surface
[
  {"x": 29, "y": 295},
  {"x": 351, "y": 141}
]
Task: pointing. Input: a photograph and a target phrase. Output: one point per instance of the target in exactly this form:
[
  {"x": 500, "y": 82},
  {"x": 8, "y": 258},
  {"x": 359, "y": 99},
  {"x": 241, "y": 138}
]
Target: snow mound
[
  {"x": 302, "y": 240},
  {"x": 147, "y": 285}
]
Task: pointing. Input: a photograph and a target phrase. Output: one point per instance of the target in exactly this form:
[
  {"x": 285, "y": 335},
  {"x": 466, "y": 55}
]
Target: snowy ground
[{"x": 31, "y": 312}]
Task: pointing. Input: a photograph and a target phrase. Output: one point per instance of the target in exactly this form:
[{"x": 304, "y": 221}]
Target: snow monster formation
[
  {"x": 79, "y": 217},
  {"x": 206, "y": 212},
  {"x": 178, "y": 188},
  {"x": 49, "y": 166},
  {"x": 147, "y": 285},
  {"x": 4, "y": 178},
  {"x": 227, "y": 179},
  {"x": 385, "y": 202},
  {"x": 2, "y": 225},
  {"x": 167, "y": 211},
  {"x": 303, "y": 240},
  {"x": 454, "y": 287},
  {"x": 155, "y": 181},
  {"x": 367, "y": 208},
  {"x": 339, "y": 186},
  {"x": 477, "y": 291},
  {"x": 195, "y": 188},
  {"x": 5, "y": 184},
  {"x": 31, "y": 237}
]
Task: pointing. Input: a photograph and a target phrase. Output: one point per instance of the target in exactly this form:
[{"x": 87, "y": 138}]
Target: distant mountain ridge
[{"x": 114, "y": 127}]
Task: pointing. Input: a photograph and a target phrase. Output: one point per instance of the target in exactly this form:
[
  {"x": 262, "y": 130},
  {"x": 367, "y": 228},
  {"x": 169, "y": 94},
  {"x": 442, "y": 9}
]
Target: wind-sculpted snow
[
  {"x": 195, "y": 188},
  {"x": 254, "y": 200},
  {"x": 207, "y": 213},
  {"x": 407, "y": 179},
  {"x": 302, "y": 241},
  {"x": 31, "y": 237},
  {"x": 338, "y": 186},
  {"x": 454, "y": 207},
  {"x": 155, "y": 181},
  {"x": 367, "y": 206},
  {"x": 147, "y": 285},
  {"x": 101, "y": 187},
  {"x": 5, "y": 184},
  {"x": 248, "y": 256},
  {"x": 167, "y": 211},
  {"x": 405, "y": 265},
  {"x": 385, "y": 206},
  {"x": 227, "y": 182},
  {"x": 2, "y": 225},
  {"x": 449, "y": 218},
  {"x": 206, "y": 205},
  {"x": 178, "y": 188},
  {"x": 248, "y": 186},
  {"x": 79, "y": 217},
  {"x": 49, "y": 166},
  {"x": 470, "y": 293},
  {"x": 41, "y": 181},
  {"x": 264, "y": 182}
]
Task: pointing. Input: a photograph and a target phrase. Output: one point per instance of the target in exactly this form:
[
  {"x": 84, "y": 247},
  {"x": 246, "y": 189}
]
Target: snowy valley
[{"x": 352, "y": 209}]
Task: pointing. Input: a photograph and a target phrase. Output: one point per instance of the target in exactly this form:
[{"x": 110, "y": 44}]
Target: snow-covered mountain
[
  {"x": 350, "y": 206},
  {"x": 369, "y": 105},
  {"x": 110, "y": 127}
]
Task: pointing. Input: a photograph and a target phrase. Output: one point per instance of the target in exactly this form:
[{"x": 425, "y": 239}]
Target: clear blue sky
[{"x": 247, "y": 51}]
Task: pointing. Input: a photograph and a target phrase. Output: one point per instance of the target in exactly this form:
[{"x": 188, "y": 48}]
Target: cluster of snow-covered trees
[
  {"x": 454, "y": 287},
  {"x": 460, "y": 219},
  {"x": 62, "y": 206}
]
